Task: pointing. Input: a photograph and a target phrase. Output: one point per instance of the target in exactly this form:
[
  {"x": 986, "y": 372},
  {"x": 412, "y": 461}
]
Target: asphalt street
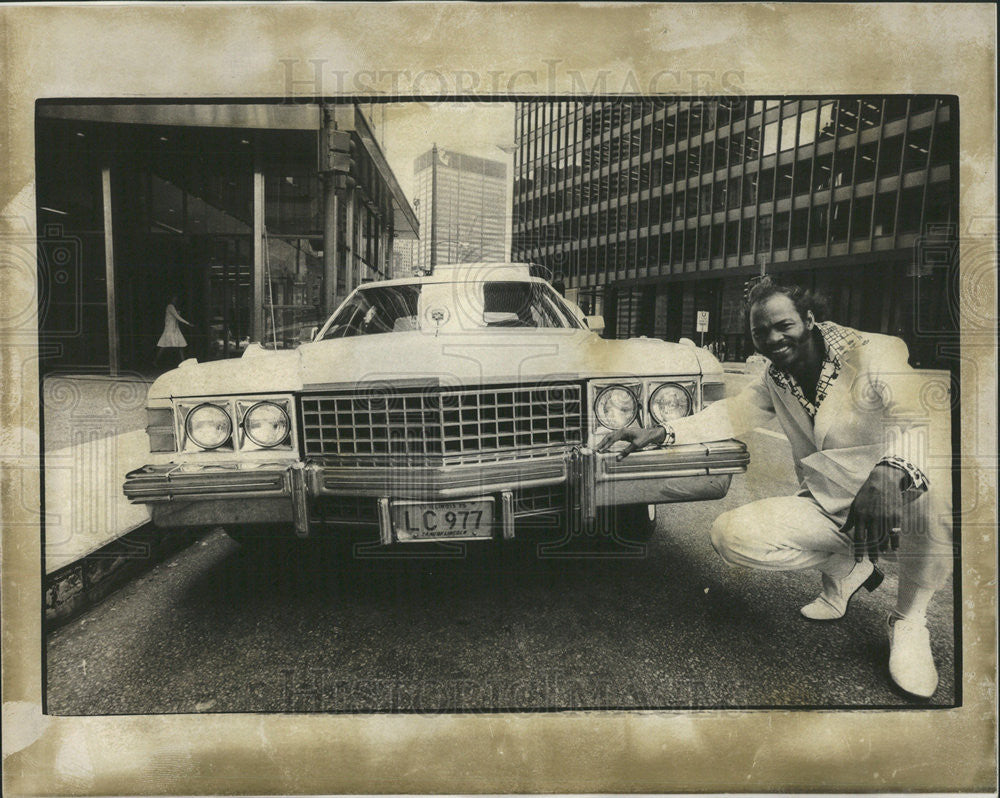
[{"x": 214, "y": 629}]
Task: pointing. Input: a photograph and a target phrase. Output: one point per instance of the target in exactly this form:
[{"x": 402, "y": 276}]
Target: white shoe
[
  {"x": 911, "y": 663},
  {"x": 832, "y": 602}
]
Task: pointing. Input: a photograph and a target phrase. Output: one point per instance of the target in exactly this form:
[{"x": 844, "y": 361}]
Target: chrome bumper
[{"x": 183, "y": 495}]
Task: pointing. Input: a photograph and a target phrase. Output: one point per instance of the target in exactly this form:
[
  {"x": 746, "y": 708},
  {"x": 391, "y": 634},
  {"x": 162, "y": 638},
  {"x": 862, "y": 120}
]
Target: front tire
[{"x": 631, "y": 523}]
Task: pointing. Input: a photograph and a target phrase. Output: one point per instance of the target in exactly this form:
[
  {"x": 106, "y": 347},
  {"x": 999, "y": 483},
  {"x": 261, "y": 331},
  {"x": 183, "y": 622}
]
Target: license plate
[{"x": 443, "y": 520}]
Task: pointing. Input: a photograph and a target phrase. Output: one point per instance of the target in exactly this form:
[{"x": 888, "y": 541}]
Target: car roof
[{"x": 467, "y": 272}]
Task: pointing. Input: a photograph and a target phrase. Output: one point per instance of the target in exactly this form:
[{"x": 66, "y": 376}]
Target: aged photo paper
[{"x": 423, "y": 73}]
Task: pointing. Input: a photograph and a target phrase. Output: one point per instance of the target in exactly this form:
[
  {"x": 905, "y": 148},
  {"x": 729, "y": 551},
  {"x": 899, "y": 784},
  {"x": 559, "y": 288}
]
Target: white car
[{"x": 460, "y": 406}]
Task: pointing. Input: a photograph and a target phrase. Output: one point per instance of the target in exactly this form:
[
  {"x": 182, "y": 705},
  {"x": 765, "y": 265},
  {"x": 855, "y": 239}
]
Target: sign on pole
[{"x": 702, "y": 325}]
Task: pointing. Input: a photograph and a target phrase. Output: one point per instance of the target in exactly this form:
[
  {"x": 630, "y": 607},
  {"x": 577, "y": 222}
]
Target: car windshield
[{"x": 451, "y": 307}]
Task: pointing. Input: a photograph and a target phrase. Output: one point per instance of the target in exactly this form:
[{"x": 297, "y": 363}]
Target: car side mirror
[{"x": 595, "y": 323}]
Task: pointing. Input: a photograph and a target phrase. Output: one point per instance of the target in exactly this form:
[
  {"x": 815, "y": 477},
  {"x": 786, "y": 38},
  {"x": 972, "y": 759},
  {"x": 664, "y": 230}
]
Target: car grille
[{"x": 441, "y": 426}]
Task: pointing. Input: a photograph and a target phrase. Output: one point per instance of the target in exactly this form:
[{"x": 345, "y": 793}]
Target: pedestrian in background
[{"x": 172, "y": 337}]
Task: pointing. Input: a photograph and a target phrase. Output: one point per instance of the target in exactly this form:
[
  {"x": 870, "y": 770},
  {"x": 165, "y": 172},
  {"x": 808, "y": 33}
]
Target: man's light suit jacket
[{"x": 871, "y": 410}]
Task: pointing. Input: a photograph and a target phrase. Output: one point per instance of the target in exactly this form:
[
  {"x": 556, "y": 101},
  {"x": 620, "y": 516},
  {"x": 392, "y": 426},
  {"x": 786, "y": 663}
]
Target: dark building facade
[
  {"x": 259, "y": 218},
  {"x": 655, "y": 209}
]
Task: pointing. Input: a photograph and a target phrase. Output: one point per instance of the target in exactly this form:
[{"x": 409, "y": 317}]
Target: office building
[
  {"x": 656, "y": 209},
  {"x": 260, "y": 218},
  {"x": 461, "y": 203}
]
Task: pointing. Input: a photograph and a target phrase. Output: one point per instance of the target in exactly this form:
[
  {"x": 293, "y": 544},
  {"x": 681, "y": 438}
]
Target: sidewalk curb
[{"x": 71, "y": 590}]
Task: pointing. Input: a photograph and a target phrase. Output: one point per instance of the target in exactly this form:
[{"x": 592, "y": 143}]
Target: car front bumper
[{"x": 181, "y": 495}]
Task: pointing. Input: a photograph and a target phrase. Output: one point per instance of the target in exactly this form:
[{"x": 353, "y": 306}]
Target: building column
[
  {"x": 330, "y": 243},
  {"x": 109, "y": 272},
  {"x": 259, "y": 286},
  {"x": 350, "y": 239},
  {"x": 384, "y": 260}
]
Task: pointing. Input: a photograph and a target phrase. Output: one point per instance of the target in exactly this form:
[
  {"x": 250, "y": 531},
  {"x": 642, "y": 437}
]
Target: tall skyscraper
[{"x": 461, "y": 202}]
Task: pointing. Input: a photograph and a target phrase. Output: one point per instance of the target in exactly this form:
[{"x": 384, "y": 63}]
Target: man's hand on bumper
[{"x": 635, "y": 437}]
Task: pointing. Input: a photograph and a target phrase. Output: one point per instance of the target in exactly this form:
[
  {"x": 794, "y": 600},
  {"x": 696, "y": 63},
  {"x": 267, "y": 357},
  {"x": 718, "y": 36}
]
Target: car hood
[{"x": 421, "y": 358}]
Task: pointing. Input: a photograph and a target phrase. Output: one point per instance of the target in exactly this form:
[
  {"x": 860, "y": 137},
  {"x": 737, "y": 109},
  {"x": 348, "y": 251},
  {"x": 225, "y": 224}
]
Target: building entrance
[{"x": 182, "y": 209}]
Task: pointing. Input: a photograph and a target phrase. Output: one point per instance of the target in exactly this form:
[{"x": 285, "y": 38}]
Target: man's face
[{"x": 779, "y": 332}]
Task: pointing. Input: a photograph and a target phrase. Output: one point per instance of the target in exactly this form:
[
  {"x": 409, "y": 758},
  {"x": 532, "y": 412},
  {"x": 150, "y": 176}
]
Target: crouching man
[{"x": 847, "y": 404}]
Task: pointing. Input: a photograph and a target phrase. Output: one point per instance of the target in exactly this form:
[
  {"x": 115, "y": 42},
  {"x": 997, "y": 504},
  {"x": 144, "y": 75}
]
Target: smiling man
[{"x": 847, "y": 402}]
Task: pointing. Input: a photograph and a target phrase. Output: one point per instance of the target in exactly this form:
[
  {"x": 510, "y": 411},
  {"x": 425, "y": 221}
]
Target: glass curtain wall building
[
  {"x": 656, "y": 209},
  {"x": 239, "y": 210},
  {"x": 461, "y": 203}
]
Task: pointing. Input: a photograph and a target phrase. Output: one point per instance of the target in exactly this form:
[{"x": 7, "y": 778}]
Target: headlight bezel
[
  {"x": 688, "y": 395},
  {"x": 248, "y": 411},
  {"x": 642, "y": 387},
  {"x": 239, "y": 443},
  {"x": 190, "y": 414},
  {"x": 636, "y": 404}
]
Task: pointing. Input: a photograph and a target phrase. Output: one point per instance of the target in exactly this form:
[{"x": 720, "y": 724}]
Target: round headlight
[
  {"x": 208, "y": 426},
  {"x": 669, "y": 402},
  {"x": 616, "y": 407},
  {"x": 266, "y": 424}
]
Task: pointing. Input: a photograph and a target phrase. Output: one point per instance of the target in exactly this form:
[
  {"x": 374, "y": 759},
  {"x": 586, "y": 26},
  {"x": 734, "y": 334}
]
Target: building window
[
  {"x": 770, "y": 138},
  {"x": 788, "y": 133},
  {"x": 668, "y": 170},
  {"x": 746, "y": 237},
  {"x": 800, "y": 226},
  {"x": 694, "y": 161},
  {"x": 821, "y": 172},
  {"x": 736, "y": 149},
  {"x": 691, "y": 203},
  {"x": 866, "y": 162},
  {"x": 707, "y": 156},
  {"x": 909, "y": 210},
  {"x": 917, "y": 146},
  {"x": 689, "y": 243},
  {"x": 784, "y": 186},
  {"x": 825, "y": 124},
  {"x": 732, "y": 237},
  {"x": 840, "y": 221},
  {"x": 885, "y": 211},
  {"x": 781, "y": 228},
  {"x": 847, "y": 117},
  {"x": 817, "y": 227},
  {"x": 861, "y": 225},
  {"x": 807, "y": 127},
  {"x": 704, "y": 242},
  {"x": 663, "y": 251},
  {"x": 733, "y": 194},
  {"x": 751, "y": 145},
  {"x": 719, "y": 196},
  {"x": 764, "y": 233},
  {"x": 750, "y": 188},
  {"x": 717, "y": 240},
  {"x": 721, "y": 154},
  {"x": 871, "y": 113},
  {"x": 843, "y": 167},
  {"x": 945, "y": 149},
  {"x": 895, "y": 108},
  {"x": 766, "y": 185},
  {"x": 889, "y": 158},
  {"x": 939, "y": 209},
  {"x": 802, "y": 177},
  {"x": 705, "y": 205}
]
